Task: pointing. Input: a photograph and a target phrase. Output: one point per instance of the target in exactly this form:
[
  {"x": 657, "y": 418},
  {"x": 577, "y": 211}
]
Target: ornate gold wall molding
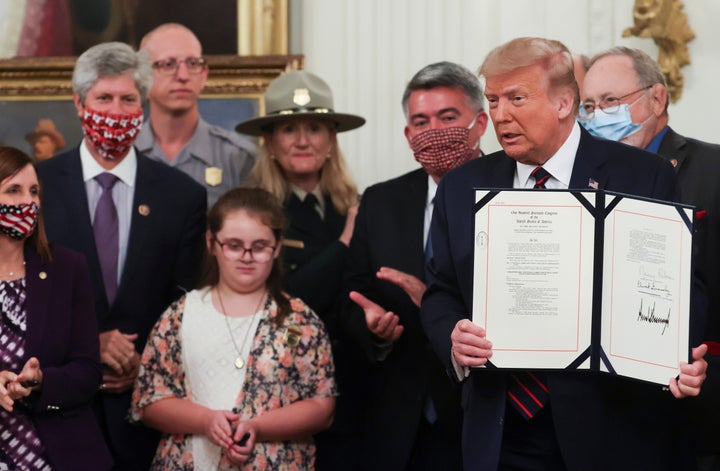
[
  {"x": 667, "y": 24},
  {"x": 45, "y": 78},
  {"x": 262, "y": 27}
]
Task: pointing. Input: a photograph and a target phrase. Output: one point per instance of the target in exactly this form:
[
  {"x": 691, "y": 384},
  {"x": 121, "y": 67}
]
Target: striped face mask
[{"x": 18, "y": 221}]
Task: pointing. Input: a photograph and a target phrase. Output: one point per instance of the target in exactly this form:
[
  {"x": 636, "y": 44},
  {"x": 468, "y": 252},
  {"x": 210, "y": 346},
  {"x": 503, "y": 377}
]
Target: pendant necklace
[
  {"x": 239, "y": 360},
  {"x": 11, "y": 274}
]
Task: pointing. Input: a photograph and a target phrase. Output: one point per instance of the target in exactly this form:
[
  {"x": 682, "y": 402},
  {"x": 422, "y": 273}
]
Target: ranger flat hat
[{"x": 298, "y": 94}]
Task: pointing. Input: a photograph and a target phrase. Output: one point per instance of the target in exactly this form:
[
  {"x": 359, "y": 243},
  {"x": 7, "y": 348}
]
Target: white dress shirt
[{"x": 122, "y": 194}]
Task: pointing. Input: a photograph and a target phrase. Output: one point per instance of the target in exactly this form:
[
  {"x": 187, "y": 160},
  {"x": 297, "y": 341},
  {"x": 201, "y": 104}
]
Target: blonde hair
[
  {"x": 550, "y": 54},
  {"x": 334, "y": 179}
]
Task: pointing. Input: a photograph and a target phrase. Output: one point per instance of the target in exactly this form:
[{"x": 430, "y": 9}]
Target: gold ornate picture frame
[{"x": 40, "y": 88}]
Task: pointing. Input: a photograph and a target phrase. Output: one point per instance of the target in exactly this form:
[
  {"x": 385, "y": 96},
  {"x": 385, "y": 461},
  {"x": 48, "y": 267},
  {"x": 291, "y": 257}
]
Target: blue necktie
[
  {"x": 429, "y": 410},
  {"x": 105, "y": 228}
]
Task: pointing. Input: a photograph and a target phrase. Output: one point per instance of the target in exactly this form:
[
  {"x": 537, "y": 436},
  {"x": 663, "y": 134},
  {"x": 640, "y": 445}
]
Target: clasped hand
[
  {"x": 117, "y": 353},
  {"x": 11, "y": 384},
  {"x": 225, "y": 429}
]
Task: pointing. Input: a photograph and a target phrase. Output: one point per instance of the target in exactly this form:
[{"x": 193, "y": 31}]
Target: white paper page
[
  {"x": 533, "y": 277},
  {"x": 646, "y": 290}
]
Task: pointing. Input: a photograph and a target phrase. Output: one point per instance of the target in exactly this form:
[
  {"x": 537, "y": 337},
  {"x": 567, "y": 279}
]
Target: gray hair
[
  {"x": 446, "y": 74},
  {"x": 111, "y": 60},
  {"x": 648, "y": 71}
]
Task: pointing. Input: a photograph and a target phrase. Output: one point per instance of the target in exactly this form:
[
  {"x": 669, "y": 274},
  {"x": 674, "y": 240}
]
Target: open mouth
[{"x": 508, "y": 136}]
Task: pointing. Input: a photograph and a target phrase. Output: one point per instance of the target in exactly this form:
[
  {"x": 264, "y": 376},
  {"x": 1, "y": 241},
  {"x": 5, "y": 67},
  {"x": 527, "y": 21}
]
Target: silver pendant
[{"x": 239, "y": 363}]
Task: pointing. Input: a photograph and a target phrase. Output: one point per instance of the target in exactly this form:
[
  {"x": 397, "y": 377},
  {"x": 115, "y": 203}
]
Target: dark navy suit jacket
[
  {"x": 602, "y": 422},
  {"x": 698, "y": 167},
  {"x": 389, "y": 232},
  {"x": 62, "y": 333},
  {"x": 163, "y": 258}
]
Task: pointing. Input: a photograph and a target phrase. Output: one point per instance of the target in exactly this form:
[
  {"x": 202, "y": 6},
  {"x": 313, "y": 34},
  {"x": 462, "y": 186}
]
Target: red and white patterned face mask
[
  {"x": 18, "y": 221},
  {"x": 111, "y": 134},
  {"x": 441, "y": 150}
]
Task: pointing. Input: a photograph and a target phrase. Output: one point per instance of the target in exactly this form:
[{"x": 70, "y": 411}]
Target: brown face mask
[{"x": 441, "y": 150}]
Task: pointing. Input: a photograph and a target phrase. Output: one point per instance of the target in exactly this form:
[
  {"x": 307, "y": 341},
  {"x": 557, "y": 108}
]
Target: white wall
[{"x": 367, "y": 50}]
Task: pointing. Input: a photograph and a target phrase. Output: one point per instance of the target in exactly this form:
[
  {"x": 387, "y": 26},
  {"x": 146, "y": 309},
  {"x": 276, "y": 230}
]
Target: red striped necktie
[
  {"x": 527, "y": 391},
  {"x": 541, "y": 177}
]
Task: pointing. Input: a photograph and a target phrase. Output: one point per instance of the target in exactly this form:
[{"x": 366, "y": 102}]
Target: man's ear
[
  {"x": 565, "y": 102},
  {"x": 78, "y": 105},
  {"x": 204, "y": 78},
  {"x": 658, "y": 98},
  {"x": 407, "y": 133}
]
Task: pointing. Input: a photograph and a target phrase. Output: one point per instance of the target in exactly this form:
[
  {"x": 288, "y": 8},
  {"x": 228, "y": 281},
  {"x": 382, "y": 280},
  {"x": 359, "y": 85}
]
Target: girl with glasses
[{"x": 237, "y": 374}]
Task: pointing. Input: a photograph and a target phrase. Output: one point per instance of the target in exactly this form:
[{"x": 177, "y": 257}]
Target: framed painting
[
  {"x": 39, "y": 88},
  {"x": 40, "y": 28}
]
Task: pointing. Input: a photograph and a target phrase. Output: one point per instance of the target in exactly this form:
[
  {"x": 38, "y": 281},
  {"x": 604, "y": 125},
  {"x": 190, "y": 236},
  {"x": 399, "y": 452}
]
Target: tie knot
[
  {"x": 310, "y": 200},
  {"x": 106, "y": 180},
  {"x": 541, "y": 176}
]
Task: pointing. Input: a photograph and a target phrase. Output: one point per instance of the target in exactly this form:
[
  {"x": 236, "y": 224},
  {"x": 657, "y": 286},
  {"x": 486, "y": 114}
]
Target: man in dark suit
[
  {"x": 589, "y": 421},
  {"x": 139, "y": 223},
  {"x": 413, "y": 419},
  {"x": 616, "y": 73}
]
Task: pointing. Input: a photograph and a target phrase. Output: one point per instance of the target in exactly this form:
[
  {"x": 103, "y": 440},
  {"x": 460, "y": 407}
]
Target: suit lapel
[
  {"x": 673, "y": 148},
  {"x": 305, "y": 223},
  {"x": 143, "y": 212},
  {"x": 504, "y": 177},
  {"x": 78, "y": 214},
  {"x": 37, "y": 302},
  {"x": 412, "y": 222},
  {"x": 588, "y": 166}
]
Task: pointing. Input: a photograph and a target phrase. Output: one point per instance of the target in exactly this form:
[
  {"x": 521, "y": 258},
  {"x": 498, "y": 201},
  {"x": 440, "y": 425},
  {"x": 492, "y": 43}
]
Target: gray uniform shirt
[{"x": 216, "y": 158}]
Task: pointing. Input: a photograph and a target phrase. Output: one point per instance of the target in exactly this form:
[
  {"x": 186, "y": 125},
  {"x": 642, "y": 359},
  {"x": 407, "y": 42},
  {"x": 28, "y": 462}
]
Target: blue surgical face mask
[{"x": 613, "y": 126}]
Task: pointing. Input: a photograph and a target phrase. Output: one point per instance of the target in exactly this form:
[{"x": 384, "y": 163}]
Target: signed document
[{"x": 583, "y": 280}]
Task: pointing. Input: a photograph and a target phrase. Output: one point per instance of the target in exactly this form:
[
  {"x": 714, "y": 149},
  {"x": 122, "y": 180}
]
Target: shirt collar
[
  {"x": 145, "y": 139},
  {"x": 559, "y": 165},
  {"x": 125, "y": 170},
  {"x": 196, "y": 147},
  {"x": 432, "y": 189},
  {"x": 301, "y": 194},
  {"x": 654, "y": 145}
]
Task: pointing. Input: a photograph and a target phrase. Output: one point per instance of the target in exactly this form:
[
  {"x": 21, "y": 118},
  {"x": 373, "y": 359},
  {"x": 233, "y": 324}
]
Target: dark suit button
[{"x": 293, "y": 267}]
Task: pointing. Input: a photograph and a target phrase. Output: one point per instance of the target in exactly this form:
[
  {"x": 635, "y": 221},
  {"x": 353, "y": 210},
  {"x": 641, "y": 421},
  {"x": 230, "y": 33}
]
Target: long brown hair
[
  {"x": 260, "y": 203},
  {"x": 13, "y": 160}
]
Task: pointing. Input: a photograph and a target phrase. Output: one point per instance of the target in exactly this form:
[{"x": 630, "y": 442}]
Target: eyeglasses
[
  {"x": 194, "y": 65},
  {"x": 234, "y": 250},
  {"x": 608, "y": 104}
]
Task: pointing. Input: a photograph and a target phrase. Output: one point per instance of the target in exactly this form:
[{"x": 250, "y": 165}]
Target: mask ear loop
[{"x": 641, "y": 123}]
